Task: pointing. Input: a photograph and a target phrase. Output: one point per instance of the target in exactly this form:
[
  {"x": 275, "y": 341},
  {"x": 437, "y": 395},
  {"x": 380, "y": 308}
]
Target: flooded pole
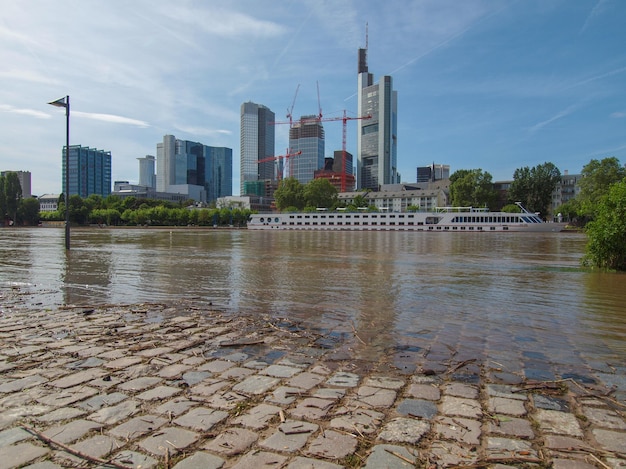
[{"x": 65, "y": 102}]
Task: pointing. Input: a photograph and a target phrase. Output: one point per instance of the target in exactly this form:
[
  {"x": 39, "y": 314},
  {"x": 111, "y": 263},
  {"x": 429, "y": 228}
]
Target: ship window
[
  {"x": 276, "y": 219},
  {"x": 261, "y": 219},
  {"x": 493, "y": 228}
]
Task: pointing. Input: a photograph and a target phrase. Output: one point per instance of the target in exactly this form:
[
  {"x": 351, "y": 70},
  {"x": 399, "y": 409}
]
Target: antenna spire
[{"x": 366, "y": 34}]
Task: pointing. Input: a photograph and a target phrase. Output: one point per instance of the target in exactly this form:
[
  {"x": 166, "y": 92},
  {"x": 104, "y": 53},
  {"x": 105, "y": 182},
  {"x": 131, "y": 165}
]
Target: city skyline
[{"x": 487, "y": 84}]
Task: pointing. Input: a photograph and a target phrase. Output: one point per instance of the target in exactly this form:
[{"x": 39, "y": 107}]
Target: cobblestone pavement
[{"x": 176, "y": 386}]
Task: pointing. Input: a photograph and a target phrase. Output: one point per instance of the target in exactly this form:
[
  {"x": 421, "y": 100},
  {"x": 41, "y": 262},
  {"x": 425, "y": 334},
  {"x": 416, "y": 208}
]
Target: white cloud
[
  {"x": 26, "y": 112},
  {"x": 111, "y": 118},
  {"x": 618, "y": 115}
]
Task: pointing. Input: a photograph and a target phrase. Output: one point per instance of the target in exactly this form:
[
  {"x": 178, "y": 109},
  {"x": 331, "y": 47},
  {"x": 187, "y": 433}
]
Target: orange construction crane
[{"x": 279, "y": 157}]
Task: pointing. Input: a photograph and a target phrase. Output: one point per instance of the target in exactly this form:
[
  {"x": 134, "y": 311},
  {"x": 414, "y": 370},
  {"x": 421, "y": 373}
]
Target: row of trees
[
  {"x": 468, "y": 187},
  {"x": 533, "y": 187},
  {"x": 114, "y": 211}
]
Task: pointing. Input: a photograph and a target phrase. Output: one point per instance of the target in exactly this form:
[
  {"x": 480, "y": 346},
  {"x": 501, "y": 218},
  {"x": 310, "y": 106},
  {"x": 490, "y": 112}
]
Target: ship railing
[{"x": 460, "y": 209}]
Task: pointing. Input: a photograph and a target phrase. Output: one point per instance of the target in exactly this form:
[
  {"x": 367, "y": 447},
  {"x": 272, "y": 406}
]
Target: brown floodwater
[{"x": 516, "y": 302}]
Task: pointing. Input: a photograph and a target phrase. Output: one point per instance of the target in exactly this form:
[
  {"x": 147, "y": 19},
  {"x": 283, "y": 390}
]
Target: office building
[
  {"x": 256, "y": 143},
  {"x": 432, "y": 173},
  {"x": 147, "y": 174},
  {"x": 306, "y": 136},
  {"x": 201, "y": 172},
  {"x": 333, "y": 168},
  {"x": 90, "y": 171},
  {"x": 377, "y": 138},
  {"x": 24, "y": 178}
]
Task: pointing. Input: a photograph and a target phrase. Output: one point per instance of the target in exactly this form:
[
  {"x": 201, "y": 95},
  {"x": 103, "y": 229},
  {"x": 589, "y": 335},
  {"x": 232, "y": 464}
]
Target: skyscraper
[
  {"x": 256, "y": 142},
  {"x": 147, "y": 176},
  {"x": 307, "y": 136},
  {"x": 377, "y": 139},
  {"x": 202, "y": 172},
  {"x": 90, "y": 171}
]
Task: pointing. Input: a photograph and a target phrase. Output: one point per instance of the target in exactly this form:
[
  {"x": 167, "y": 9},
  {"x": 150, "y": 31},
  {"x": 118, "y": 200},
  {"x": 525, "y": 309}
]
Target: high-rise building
[
  {"x": 434, "y": 172},
  {"x": 256, "y": 143},
  {"x": 147, "y": 175},
  {"x": 24, "y": 178},
  {"x": 307, "y": 136},
  {"x": 202, "y": 172},
  {"x": 377, "y": 140},
  {"x": 90, "y": 171}
]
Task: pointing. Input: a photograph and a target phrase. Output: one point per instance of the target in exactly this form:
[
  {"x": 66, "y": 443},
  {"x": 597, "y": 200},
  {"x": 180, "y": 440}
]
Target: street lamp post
[{"x": 65, "y": 102}]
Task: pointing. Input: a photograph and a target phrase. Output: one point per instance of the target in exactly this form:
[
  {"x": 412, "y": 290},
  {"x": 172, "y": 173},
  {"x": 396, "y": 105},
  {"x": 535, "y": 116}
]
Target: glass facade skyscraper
[
  {"x": 377, "y": 140},
  {"x": 90, "y": 171},
  {"x": 307, "y": 136},
  {"x": 256, "y": 142},
  {"x": 203, "y": 172}
]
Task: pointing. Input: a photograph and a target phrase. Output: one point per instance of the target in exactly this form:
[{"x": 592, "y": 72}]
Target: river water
[{"x": 515, "y": 302}]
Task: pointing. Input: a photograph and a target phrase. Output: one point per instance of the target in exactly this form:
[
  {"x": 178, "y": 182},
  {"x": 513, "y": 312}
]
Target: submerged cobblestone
[{"x": 183, "y": 386}]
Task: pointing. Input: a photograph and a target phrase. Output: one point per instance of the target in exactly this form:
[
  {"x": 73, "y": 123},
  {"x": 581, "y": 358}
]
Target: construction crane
[
  {"x": 290, "y": 110},
  {"x": 344, "y": 120},
  {"x": 280, "y": 157}
]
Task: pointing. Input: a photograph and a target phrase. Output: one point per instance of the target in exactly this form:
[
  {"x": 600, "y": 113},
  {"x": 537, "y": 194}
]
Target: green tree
[
  {"x": 12, "y": 194},
  {"x": 320, "y": 193},
  {"x": 3, "y": 202},
  {"x": 290, "y": 193},
  {"x": 472, "y": 188},
  {"x": 606, "y": 246},
  {"x": 79, "y": 212},
  {"x": 533, "y": 187},
  {"x": 28, "y": 211},
  {"x": 360, "y": 201},
  {"x": 597, "y": 177},
  {"x": 511, "y": 208},
  {"x": 570, "y": 211}
]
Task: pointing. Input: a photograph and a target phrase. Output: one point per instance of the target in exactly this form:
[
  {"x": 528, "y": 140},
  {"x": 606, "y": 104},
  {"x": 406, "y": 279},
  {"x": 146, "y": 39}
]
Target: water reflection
[{"x": 518, "y": 300}]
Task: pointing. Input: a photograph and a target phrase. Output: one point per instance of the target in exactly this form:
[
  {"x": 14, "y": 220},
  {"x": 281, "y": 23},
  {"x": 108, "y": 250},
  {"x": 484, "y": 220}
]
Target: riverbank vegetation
[{"x": 130, "y": 211}]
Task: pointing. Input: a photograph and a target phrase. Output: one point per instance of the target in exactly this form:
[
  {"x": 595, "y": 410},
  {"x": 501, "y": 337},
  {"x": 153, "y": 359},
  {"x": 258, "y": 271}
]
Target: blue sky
[{"x": 490, "y": 84}]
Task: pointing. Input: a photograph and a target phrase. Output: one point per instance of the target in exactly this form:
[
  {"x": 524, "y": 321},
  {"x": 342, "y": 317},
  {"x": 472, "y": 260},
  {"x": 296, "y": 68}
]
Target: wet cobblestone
[{"x": 175, "y": 386}]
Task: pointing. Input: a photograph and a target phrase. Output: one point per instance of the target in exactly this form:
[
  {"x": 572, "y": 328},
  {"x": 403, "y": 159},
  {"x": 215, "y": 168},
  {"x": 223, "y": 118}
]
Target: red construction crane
[
  {"x": 345, "y": 120},
  {"x": 279, "y": 157}
]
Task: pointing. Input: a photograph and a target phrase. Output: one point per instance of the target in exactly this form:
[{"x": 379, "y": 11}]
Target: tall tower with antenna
[{"x": 377, "y": 138}]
